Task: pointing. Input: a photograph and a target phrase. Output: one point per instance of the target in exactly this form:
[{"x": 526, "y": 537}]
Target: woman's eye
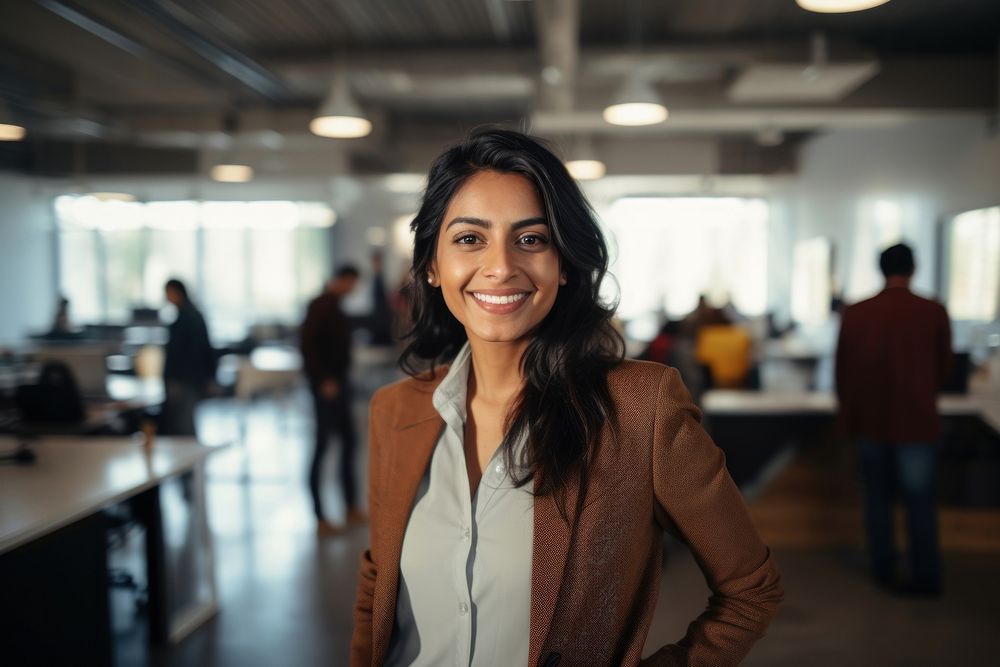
[
  {"x": 532, "y": 240},
  {"x": 466, "y": 239}
]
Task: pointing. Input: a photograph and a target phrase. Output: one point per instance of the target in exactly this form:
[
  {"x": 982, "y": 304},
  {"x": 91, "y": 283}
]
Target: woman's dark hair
[{"x": 565, "y": 401}]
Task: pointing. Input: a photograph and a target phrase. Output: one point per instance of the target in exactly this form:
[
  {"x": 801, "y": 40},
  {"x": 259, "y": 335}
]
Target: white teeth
[{"x": 489, "y": 298}]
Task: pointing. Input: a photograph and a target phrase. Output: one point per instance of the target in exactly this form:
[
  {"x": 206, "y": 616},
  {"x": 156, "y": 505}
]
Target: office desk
[
  {"x": 754, "y": 427},
  {"x": 269, "y": 368},
  {"x": 723, "y": 403},
  {"x": 53, "y": 566}
]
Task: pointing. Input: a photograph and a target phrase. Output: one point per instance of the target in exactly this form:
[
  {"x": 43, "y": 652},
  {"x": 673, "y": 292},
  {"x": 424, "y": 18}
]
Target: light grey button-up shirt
[{"x": 465, "y": 570}]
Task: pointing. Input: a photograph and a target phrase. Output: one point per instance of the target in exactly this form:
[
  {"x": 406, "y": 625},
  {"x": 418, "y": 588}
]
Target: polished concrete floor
[{"x": 286, "y": 595}]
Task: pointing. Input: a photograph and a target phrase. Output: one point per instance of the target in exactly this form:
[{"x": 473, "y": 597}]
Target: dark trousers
[
  {"x": 333, "y": 417},
  {"x": 177, "y": 415},
  {"x": 910, "y": 472}
]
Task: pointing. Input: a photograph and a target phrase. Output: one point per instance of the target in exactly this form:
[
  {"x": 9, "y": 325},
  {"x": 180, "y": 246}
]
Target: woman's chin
[{"x": 498, "y": 335}]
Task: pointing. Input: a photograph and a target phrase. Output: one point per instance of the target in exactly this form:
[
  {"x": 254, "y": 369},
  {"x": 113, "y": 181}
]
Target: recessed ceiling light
[
  {"x": 111, "y": 196},
  {"x": 586, "y": 170},
  {"x": 232, "y": 173}
]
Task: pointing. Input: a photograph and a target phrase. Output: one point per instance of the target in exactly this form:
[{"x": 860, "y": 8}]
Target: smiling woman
[{"x": 519, "y": 495}]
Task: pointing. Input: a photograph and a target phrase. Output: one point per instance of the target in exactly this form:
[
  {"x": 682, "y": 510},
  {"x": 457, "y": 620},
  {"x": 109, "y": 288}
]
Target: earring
[{"x": 430, "y": 281}]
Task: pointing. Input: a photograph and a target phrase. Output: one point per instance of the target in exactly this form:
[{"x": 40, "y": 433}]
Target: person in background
[
  {"x": 893, "y": 353},
  {"x": 703, "y": 315},
  {"x": 380, "y": 322},
  {"x": 62, "y": 328},
  {"x": 326, "y": 353},
  {"x": 61, "y": 324},
  {"x": 189, "y": 363}
]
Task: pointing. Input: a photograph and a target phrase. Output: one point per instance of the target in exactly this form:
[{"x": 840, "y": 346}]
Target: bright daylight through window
[
  {"x": 974, "y": 265},
  {"x": 667, "y": 251},
  {"x": 245, "y": 262}
]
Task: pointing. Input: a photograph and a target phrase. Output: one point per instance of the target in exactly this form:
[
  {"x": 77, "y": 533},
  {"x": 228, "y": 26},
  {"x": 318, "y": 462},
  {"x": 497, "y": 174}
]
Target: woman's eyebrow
[{"x": 486, "y": 224}]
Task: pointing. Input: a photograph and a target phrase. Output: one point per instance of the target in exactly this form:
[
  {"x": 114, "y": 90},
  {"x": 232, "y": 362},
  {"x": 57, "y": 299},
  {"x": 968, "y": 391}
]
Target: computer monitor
[{"x": 88, "y": 363}]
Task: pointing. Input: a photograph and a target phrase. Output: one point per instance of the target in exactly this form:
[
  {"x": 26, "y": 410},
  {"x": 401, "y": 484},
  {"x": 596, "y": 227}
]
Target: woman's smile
[{"x": 500, "y": 302}]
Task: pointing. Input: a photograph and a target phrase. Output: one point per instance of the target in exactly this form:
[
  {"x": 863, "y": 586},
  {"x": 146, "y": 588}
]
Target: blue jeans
[{"x": 909, "y": 471}]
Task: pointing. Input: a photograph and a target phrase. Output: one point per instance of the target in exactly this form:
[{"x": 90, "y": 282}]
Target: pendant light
[
  {"x": 231, "y": 171},
  {"x": 9, "y": 130},
  {"x": 584, "y": 164},
  {"x": 636, "y": 104},
  {"x": 340, "y": 117},
  {"x": 838, "y": 6}
]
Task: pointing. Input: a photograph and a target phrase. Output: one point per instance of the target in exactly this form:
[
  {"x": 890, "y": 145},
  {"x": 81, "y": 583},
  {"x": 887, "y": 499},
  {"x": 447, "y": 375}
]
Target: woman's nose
[{"x": 499, "y": 262}]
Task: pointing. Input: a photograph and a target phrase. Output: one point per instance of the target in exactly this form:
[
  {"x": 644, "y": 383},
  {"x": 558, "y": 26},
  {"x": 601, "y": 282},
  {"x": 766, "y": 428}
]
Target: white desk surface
[
  {"x": 729, "y": 401},
  {"x": 75, "y": 477}
]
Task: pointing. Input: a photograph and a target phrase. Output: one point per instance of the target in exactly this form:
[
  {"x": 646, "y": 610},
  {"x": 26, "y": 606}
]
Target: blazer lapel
[
  {"x": 408, "y": 447},
  {"x": 550, "y": 548}
]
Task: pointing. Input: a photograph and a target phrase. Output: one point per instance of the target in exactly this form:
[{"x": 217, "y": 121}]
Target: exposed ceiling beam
[
  {"x": 748, "y": 120},
  {"x": 498, "y": 19},
  {"x": 86, "y": 21},
  {"x": 240, "y": 67},
  {"x": 236, "y": 64},
  {"x": 557, "y": 24}
]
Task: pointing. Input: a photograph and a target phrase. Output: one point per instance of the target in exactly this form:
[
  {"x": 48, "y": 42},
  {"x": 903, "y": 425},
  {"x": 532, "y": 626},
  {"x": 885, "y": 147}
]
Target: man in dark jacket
[
  {"x": 893, "y": 354},
  {"x": 326, "y": 353},
  {"x": 189, "y": 364}
]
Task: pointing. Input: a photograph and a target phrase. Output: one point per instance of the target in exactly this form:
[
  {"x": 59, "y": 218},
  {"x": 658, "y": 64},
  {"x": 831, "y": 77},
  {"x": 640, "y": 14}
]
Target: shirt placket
[{"x": 463, "y": 541}]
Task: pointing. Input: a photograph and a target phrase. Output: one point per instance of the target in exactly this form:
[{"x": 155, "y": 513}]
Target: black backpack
[{"x": 54, "y": 399}]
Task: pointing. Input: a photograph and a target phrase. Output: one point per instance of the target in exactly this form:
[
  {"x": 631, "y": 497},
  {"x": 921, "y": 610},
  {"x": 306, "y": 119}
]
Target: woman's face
[{"x": 495, "y": 262}]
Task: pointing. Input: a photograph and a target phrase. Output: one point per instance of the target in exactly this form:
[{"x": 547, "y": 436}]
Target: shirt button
[
  {"x": 500, "y": 469},
  {"x": 463, "y": 608},
  {"x": 466, "y": 534}
]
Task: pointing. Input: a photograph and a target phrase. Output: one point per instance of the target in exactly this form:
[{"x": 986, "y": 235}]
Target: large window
[
  {"x": 244, "y": 262},
  {"x": 811, "y": 281},
  {"x": 667, "y": 251},
  {"x": 974, "y": 265}
]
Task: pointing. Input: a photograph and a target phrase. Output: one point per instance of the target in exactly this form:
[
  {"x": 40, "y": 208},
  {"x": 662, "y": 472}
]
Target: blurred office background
[{"x": 153, "y": 139}]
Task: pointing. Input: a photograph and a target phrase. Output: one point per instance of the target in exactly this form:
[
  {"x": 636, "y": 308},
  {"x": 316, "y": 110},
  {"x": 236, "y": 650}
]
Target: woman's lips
[{"x": 500, "y": 304}]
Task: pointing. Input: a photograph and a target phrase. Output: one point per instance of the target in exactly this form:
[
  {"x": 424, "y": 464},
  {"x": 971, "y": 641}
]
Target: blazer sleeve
[
  {"x": 361, "y": 639},
  {"x": 703, "y": 506}
]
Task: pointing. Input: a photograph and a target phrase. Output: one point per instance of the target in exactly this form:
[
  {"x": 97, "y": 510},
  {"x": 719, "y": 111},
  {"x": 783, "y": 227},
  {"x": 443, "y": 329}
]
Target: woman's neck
[{"x": 496, "y": 371}]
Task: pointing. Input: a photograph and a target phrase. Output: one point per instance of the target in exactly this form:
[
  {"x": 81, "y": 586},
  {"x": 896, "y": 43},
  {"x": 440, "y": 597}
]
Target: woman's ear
[
  {"x": 562, "y": 277},
  {"x": 432, "y": 275}
]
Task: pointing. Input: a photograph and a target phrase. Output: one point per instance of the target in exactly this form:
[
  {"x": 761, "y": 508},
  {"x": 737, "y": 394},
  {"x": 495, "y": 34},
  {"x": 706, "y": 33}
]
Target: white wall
[
  {"x": 27, "y": 262},
  {"x": 852, "y": 182}
]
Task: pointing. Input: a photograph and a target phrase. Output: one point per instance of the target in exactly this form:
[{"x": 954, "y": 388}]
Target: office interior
[{"x": 145, "y": 140}]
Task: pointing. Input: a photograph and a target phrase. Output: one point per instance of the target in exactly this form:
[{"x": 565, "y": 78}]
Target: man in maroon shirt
[
  {"x": 326, "y": 354},
  {"x": 893, "y": 354}
]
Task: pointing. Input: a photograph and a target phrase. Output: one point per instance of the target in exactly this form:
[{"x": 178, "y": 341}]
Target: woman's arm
[
  {"x": 361, "y": 640},
  {"x": 704, "y": 507}
]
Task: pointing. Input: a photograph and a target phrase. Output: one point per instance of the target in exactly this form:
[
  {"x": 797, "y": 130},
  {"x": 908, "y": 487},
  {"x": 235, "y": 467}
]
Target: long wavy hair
[{"x": 565, "y": 401}]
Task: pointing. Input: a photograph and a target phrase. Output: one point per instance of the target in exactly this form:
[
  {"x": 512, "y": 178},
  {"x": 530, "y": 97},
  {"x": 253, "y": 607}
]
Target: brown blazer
[{"x": 594, "y": 580}]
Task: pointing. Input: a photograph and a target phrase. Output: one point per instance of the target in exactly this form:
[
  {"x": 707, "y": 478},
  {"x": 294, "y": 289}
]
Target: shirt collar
[{"x": 450, "y": 396}]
